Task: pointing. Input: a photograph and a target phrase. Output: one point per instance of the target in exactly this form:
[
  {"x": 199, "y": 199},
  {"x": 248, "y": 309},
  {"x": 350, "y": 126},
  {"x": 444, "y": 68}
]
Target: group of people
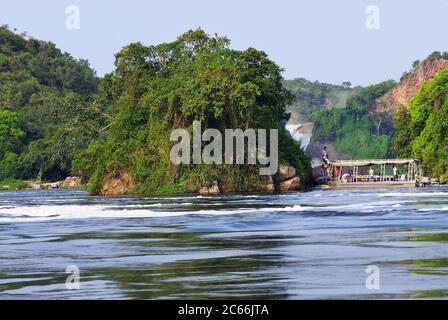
[
  {"x": 394, "y": 170},
  {"x": 326, "y": 163}
]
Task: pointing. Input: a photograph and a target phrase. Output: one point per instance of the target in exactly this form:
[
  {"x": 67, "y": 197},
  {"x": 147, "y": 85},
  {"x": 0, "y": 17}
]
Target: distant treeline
[{"x": 355, "y": 130}]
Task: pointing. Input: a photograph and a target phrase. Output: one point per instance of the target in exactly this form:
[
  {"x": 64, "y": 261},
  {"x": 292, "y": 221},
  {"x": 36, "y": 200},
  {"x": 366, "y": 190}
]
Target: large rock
[
  {"x": 117, "y": 186},
  {"x": 35, "y": 185},
  {"x": 210, "y": 188},
  {"x": 317, "y": 172},
  {"x": 442, "y": 179},
  {"x": 290, "y": 185},
  {"x": 286, "y": 172},
  {"x": 51, "y": 185},
  {"x": 72, "y": 183},
  {"x": 269, "y": 185}
]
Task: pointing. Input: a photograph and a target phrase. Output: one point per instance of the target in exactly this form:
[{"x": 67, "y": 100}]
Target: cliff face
[{"x": 399, "y": 96}]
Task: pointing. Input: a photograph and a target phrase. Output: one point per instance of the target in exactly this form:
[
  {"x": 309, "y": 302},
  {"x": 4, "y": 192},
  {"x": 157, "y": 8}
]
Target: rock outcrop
[
  {"x": 290, "y": 185},
  {"x": 209, "y": 189},
  {"x": 119, "y": 185},
  {"x": 51, "y": 185},
  {"x": 71, "y": 183},
  {"x": 38, "y": 185},
  {"x": 286, "y": 172},
  {"x": 122, "y": 184},
  {"x": 35, "y": 185},
  {"x": 269, "y": 185},
  {"x": 288, "y": 179},
  {"x": 399, "y": 96}
]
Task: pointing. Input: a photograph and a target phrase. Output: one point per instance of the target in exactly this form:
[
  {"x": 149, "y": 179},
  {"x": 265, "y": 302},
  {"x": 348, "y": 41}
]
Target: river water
[{"x": 310, "y": 245}]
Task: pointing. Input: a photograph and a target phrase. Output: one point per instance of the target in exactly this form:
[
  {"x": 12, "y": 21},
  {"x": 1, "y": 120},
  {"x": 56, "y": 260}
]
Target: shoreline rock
[
  {"x": 209, "y": 189},
  {"x": 286, "y": 172},
  {"x": 71, "y": 183},
  {"x": 67, "y": 183},
  {"x": 117, "y": 186},
  {"x": 285, "y": 180},
  {"x": 290, "y": 185},
  {"x": 270, "y": 184}
]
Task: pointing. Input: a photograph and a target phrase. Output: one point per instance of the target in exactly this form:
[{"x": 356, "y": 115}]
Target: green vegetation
[
  {"x": 355, "y": 130},
  {"x": 155, "y": 89},
  {"x": 314, "y": 96},
  {"x": 431, "y": 237},
  {"x": 438, "y": 55},
  {"x": 46, "y": 109},
  {"x": 422, "y": 130},
  {"x": 57, "y": 118},
  {"x": 12, "y": 184}
]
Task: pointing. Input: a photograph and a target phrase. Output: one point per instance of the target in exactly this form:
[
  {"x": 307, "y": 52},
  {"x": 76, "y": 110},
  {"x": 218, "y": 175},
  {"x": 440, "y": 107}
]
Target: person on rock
[{"x": 325, "y": 165}]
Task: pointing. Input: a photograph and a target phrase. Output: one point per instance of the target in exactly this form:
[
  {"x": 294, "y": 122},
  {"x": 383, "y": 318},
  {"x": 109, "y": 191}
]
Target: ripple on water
[{"x": 297, "y": 245}]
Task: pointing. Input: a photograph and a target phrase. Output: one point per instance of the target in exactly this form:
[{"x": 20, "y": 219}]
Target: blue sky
[{"x": 323, "y": 40}]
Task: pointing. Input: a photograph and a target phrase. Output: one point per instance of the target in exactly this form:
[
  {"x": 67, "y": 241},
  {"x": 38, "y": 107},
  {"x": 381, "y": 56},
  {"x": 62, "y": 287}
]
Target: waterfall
[{"x": 301, "y": 132}]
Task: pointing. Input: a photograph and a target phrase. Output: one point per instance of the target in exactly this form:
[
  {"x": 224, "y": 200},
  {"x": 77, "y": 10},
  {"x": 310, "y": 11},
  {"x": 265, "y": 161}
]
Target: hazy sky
[{"x": 325, "y": 40}]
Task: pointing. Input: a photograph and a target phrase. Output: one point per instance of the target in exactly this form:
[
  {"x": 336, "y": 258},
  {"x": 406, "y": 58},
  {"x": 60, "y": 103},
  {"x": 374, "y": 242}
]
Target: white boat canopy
[{"x": 365, "y": 163}]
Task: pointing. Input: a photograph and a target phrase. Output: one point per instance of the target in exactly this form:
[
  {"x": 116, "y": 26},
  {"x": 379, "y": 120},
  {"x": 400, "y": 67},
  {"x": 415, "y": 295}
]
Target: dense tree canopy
[
  {"x": 355, "y": 130},
  {"x": 155, "y": 89},
  {"x": 45, "y": 108},
  {"x": 314, "y": 96}
]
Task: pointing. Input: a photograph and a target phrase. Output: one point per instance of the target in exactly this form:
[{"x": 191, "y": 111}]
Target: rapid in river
[{"x": 304, "y": 245}]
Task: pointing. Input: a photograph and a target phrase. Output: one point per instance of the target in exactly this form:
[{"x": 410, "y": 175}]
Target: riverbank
[{"x": 12, "y": 184}]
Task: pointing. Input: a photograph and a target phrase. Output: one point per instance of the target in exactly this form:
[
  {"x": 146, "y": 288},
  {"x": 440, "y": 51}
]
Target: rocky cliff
[{"x": 399, "y": 96}]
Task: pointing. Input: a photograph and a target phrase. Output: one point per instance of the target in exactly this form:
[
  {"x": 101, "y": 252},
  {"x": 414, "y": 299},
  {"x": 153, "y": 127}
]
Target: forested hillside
[
  {"x": 355, "y": 130},
  {"x": 46, "y": 110},
  {"x": 313, "y": 96},
  {"x": 364, "y": 127},
  {"x": 422, "y": 129}
]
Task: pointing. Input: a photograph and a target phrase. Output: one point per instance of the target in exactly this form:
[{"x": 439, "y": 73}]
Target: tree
[
  {"x": 422, "y": 131},
  {"x": 45, "y": 98},
  {"x": 155, "y": 89},
  {"x": 11, "y": 135},
  {"x": 402, "y": 141},
  {"x": 415, "y": 64},
  {"x": 435, "y": 55}
]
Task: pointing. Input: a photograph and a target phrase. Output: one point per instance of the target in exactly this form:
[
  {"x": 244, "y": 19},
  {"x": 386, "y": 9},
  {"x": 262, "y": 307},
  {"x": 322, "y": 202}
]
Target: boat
[{"x": 375, "y": 173}]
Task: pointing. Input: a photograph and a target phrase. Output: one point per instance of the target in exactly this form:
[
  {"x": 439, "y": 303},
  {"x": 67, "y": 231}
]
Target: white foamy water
[
  {"x": 42, "y": 213},
  {"x": 175, "y": 209},
  {"x": 301, "y": 133}
]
